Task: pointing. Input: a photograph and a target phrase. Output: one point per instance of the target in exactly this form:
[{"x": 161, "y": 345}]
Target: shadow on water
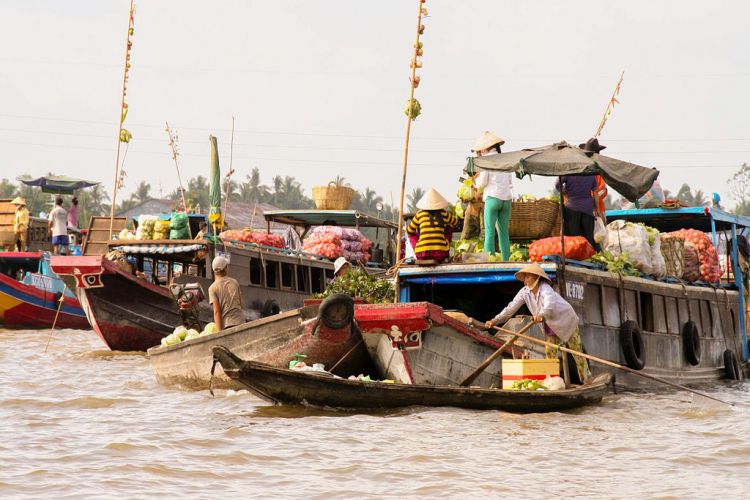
[
  {"x": 107, "y": 354},
  {"x": 293, "y": 411}
]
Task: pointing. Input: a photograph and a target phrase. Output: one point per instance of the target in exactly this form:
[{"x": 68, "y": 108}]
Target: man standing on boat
[
  {"x": 58, "y": 225},
  {"x": 20, "y": 224},
  {"x": 225, "y": 296}
]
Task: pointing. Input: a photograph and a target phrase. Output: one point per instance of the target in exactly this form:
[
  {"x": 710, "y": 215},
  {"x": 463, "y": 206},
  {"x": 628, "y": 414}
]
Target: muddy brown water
[{"x": 81, "y": 421}]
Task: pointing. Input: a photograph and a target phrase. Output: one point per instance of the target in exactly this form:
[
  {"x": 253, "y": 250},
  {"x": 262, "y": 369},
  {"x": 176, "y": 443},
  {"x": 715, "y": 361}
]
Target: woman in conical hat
[
  {"x": 559, "y": 320},
  {"x": 430, "y": 229},
  {"x": 497, "y": 196},
  {"x": 20, "y": 223}
]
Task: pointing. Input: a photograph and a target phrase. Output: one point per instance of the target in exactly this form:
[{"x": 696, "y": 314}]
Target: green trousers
[{"x": 496, "y": 215}]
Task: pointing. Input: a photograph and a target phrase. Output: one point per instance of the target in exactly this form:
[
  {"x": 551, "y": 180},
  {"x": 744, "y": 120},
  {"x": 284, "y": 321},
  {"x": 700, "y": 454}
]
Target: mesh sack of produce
[
  {"x": 178, "y": 220},
  {"x": 146, "y": 225},
  {"x": 632, "y": 239},
  {"x": 708, "y": 257},
  {"x": 179, "y": 234},
  {"x": 161, "y": 230},
  {"x": 692, "y": 269},
  {"x": 576, "y": 247},
  {"x": 352, "y": 246}
]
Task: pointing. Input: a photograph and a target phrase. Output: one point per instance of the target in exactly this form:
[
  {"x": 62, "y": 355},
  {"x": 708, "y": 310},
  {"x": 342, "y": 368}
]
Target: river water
[{"x": 80, "y": 421}]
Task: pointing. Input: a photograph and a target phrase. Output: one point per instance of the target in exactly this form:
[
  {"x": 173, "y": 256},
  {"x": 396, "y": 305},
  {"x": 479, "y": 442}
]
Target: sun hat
[
  {"x": 338, "y": 264},
  {"x": 486, "y": 141},
  {"x": 219, "y": 263},
  {"x": 433, "y": 200},
  {"x": 18, "y": 201},
  {"x": 592, "y": 146},
  {"x": 534, "y": 269}
]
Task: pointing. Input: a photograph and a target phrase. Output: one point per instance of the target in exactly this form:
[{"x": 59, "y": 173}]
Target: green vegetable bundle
[
  {"x": 528, "y": 385},
  {"x": 620, "y": 264},
  {"x": 357, "y": 283},
  {"x": 519, "y": 253}
]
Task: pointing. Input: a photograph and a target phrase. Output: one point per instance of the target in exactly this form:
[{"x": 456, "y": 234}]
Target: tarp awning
[
  {"x": 673, "y": 219},
  {"x": 306, "y": 218},
  {"x": 59, "y": 184},
  {"x": 630, "y": 180},
  {"x": 160, "y": 249}
]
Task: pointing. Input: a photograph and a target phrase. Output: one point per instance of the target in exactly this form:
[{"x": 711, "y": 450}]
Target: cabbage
[
  {"x": 553, "y": 383},
  {"x": 209, "y": 329},
  {"x": 173, "y": 339},
  {"x": 192, "y": 334},
  {"x": 123, "y": 234},
  {"x": 180, "y": 332}
]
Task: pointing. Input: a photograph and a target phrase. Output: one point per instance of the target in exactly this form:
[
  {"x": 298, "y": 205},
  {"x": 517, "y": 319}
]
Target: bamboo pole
[
  {"x": 229, "y": 174},
  {"x": 412, "y": 86},
  {"x": 610, "y": 105},
  {"x": 173, "y": 146},
  {"x": 123, "y": 107}
]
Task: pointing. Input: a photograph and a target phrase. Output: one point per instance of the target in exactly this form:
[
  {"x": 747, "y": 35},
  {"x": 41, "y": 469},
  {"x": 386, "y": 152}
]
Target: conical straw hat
[
  {"x": 18, "y": 201},
  {"x": 432, "y": 201},
  {"x": 486, "y": 141},
  {"x": 534, "y": 269}
]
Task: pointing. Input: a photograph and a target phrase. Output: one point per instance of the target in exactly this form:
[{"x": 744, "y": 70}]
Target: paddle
[
  {"x": 609, "y": 363},
  {"x": 468, "y": 380},
  {"x": 59, "y": 306}
]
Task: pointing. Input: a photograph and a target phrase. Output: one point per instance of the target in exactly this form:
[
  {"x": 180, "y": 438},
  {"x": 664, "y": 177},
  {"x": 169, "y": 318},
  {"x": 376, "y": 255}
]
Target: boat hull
[
  {"x": 26, "y": 306},
  {"x": 323, "y": 390},
  {"x": 273, "y": 340}
]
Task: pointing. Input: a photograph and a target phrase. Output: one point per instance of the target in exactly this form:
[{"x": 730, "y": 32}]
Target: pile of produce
[
  {"x": 615, "y": 264},
  {"x": 576, "y": 247},
  {"x": 519, "y": 253},
  {"x": 247, "y": 235},
  {"x": 181, "y": 334},
  {"x": 161, "y": 230},
  {"x": 125, "y": 235},
  {"x": 357, "y": 283},
  {"x": 700, "y": 251},
  {"x": 641, "y": 243},
  {"x": 333, "y": 242},
  {"x": 178, "y": 226},
  {"x": 673, "y": 251},
  {"x": 528, "y": 385},
  {"x": 146, "y": 225}
]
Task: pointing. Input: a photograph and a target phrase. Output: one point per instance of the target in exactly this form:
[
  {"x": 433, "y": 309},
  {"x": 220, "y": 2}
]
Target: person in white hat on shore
[
  {"x": 497, "y": 196},
  {"x": 341, "y": 266},
  {"x": 20, "y": 224},
  {"x": 429, "y": 229},
  {"x": 225, "y": 296},
  {"x": 560, "y": 321}
]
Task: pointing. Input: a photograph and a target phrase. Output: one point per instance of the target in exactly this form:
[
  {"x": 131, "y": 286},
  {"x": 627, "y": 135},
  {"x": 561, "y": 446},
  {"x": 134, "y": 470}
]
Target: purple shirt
[
  {"x": 579, "y": 188},
  {"x": 73, "y": 216}
]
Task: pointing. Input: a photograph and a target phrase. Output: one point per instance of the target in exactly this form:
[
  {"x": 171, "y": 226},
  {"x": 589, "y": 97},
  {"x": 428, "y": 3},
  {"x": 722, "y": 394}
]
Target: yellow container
[{"x": 533, "y": 369}]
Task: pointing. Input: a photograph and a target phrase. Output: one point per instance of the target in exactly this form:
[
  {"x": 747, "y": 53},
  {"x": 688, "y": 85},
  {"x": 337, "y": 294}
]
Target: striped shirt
[{"x": 430, "y": 226}]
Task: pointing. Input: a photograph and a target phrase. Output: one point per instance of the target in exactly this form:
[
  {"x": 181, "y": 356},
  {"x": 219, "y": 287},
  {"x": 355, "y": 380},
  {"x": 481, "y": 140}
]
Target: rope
[{"x": 59, "y": 306}]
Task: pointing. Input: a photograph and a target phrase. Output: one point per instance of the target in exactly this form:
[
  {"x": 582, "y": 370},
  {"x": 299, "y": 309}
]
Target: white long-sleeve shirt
[
  {"x": 496, "y": 184},
  {"x": 558, "y": 315}
]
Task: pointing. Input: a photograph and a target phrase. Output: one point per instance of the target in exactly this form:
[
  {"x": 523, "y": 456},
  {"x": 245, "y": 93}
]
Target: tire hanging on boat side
[
  {"x": 337, "y": 311},
  {"x": 691, "y": 343},
  {"x": 732, "y": 370},
  {"x": 631, "y": 342}
]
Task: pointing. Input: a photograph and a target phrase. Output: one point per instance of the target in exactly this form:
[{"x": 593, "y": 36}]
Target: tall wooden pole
[
  {"x": 410, "y": 108},
  {"x": 610, "y": 106},
  {"x": 175, "y": 153},
  {"x": 229, "y": 174},
  {"x": 123, "y": 113}
]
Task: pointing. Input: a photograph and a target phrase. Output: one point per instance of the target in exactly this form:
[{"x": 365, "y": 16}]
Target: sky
[{"x": 317, "y": 88}]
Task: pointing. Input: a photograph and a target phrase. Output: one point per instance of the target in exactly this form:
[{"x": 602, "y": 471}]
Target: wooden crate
[{"x": 98, "y": 238}]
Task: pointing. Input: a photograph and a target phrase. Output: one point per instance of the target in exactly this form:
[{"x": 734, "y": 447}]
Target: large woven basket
[
  {"x": 332, "y": 197},
  {"x": 532, "y": 220}
]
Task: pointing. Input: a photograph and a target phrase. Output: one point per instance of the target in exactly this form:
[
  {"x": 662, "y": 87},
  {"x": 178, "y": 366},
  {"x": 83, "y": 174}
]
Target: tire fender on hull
[
  {"x": 691, "y": 343},
  {"x": 336, "y": 311},
  {"x": 631, "y": 342}
]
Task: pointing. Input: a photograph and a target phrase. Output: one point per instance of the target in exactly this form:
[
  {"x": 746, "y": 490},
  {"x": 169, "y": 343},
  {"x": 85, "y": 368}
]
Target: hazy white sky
[{"x": 318, "y": 87}]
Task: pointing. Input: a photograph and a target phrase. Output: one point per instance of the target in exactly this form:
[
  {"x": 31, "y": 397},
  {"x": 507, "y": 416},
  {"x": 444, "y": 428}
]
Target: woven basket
[
  {"x": 673, "y": 250},
  {"x": 332, "y": 197},
  {"x": 532, "y": 220}
]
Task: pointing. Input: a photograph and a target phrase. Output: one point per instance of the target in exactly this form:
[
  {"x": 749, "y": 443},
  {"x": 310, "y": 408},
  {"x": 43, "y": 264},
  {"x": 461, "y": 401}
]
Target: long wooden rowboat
[{"x": 285, "y": 386}]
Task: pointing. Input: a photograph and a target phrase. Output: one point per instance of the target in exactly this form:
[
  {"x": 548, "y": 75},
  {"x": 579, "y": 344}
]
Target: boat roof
[
  {"x": 307, "y": 218},
  {"x": 668, "y": 219},
  {"x": 467, "y": 273},
  {"x": 59, "y": 184},
  {"x": 171, "y": 248},
  {"x": 21, "y": 255}
]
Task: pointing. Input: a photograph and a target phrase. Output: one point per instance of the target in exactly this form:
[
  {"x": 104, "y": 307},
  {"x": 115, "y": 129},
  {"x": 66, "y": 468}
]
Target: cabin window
[
  {"x": 256, "y": 272},
  {"x": 673, "y": 319},
  {"x": 611, "y": 306},
  {"x": 647, "y": 312},
  {"x": 287, "y": 275},
  {"x": 318, "y": 282},
  {"x": 272, "y": 272},
  {"x": 706, "y": 321},
  {"x": 660, "y": 319},
  {"x": 303, "y": 278},
  {"x": 593, "y": 305}
]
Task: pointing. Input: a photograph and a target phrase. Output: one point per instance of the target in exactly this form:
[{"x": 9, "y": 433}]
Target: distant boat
[{"x": 30, "y": 293}]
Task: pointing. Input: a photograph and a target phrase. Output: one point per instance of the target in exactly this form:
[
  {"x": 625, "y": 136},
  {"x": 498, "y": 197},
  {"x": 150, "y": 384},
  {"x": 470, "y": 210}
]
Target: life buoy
[
  {"x": 631, "y": 342},
  {"x": 691, "y": 342},
  {"x": 731, "y": 365},
  {"x": 337, "y": 311}
]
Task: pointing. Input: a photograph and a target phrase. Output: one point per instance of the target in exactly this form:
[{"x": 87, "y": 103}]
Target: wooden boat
[
  {"x": 686, "y": 333},
  {"x": 130, "y": 313},
  {"x": 30, "y": 294},
  {"x": 294, "y": 387},
  {"x": 274, "y": 341}
]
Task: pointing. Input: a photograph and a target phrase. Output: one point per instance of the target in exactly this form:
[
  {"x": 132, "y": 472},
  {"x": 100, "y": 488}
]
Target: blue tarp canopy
[{"x": 667, "y": 219}]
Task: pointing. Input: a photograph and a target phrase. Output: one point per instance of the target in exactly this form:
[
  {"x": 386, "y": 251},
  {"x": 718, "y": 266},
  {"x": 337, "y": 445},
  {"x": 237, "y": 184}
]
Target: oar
[
  {"x": 59, "y": 306},
  {"x": 468, "y": 380},
  {"x": 611, "y": 363}
]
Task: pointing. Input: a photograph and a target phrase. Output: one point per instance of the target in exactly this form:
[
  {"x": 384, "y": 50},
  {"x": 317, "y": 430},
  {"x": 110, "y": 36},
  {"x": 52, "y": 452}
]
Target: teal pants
[{"x": 496, "y": 214}]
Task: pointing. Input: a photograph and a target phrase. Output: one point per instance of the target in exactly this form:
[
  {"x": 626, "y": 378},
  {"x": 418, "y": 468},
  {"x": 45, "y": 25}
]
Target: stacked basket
[
  {"x": 332, "y": 197},
  {"x": 532, "y": 220}
]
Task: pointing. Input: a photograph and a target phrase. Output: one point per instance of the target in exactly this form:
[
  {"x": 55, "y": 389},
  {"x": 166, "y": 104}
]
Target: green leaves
[{"x": 357, "y": 283}]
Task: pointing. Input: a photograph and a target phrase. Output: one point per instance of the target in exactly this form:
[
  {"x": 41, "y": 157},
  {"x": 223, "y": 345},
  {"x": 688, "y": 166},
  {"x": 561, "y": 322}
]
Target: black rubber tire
[
  {"x": 270, "y": 308},
  {"x": 631, "y": 342},
  {"x": 337, "y": 311},
  {"x": 691, "y": 343},
  {"x": 731, "y": 365}
]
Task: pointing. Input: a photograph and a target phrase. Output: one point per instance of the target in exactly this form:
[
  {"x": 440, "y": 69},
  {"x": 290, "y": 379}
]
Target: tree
[
  {"x": 142, "y": 193},
  {"x": 231, "y": 190},
  {"x": 92, "y": 201},
  {"x": 690, "y": 198},
  {"x": 252, "y": 191},
  {"x": 416, "y": 194},
  {"x": 739, "y": 189},
  {"x": 36, "y": 201},
  {"x": 370, "y": 200},
  {"x": 7, "y": 189}
]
